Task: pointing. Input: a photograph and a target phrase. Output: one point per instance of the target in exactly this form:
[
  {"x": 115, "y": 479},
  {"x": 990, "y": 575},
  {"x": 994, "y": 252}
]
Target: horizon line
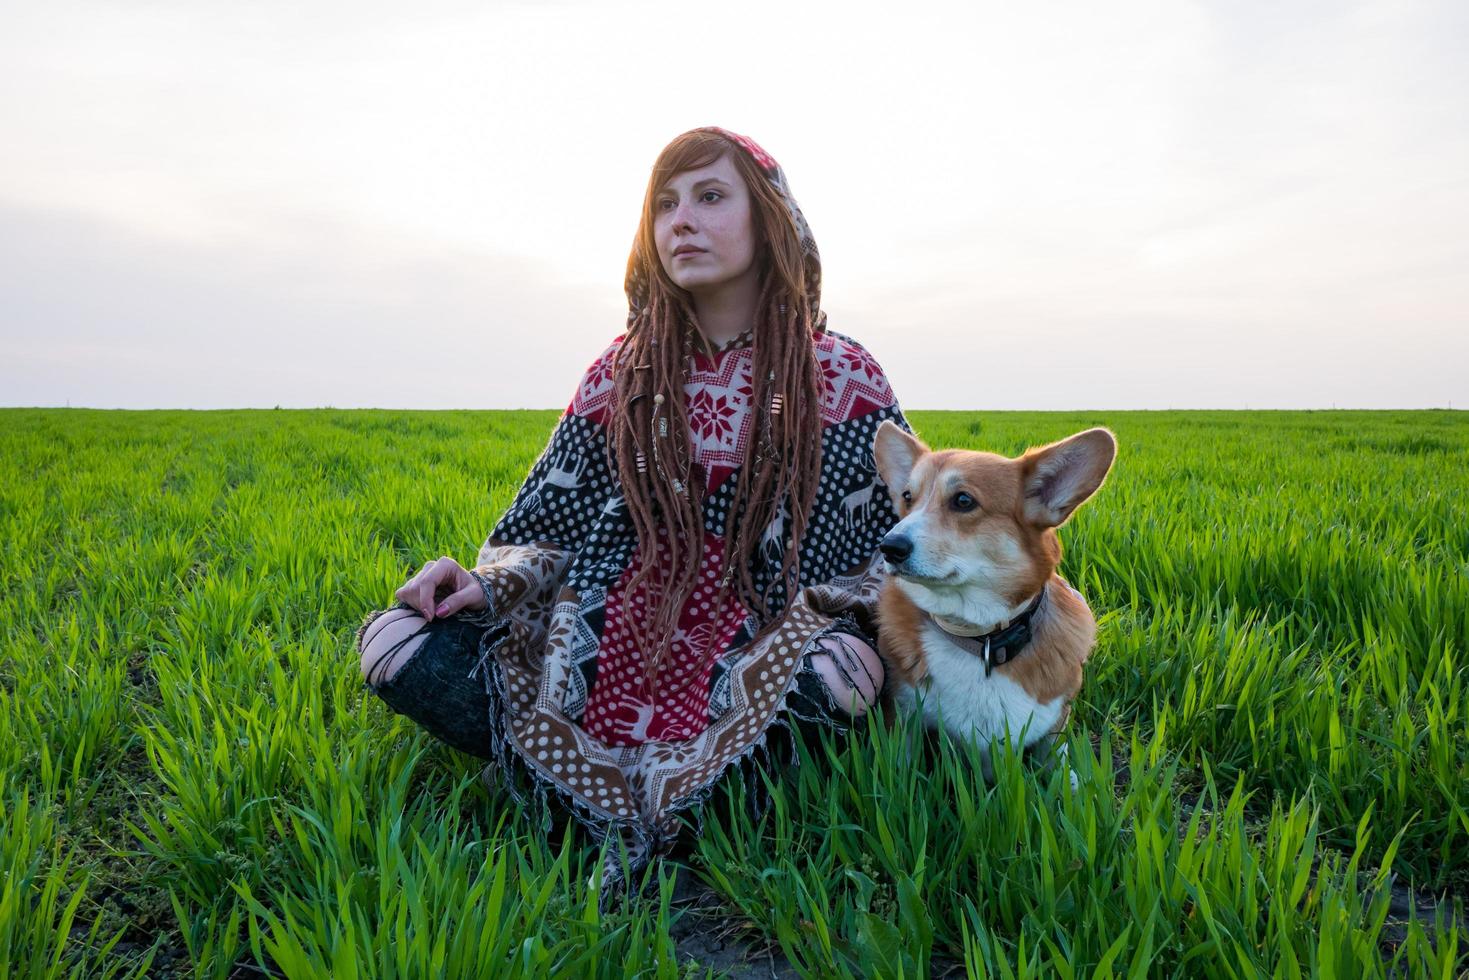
[{"x": 906, "y": 409}]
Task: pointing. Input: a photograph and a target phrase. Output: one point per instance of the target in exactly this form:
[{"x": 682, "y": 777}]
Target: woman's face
[{"x": 702, "y": 226}]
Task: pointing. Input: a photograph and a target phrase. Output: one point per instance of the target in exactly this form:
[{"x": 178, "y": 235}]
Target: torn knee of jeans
[
  {"x": 375, "y": 674},
  {"x": 374, "y": 616},
  {"x": 861, "y": 684}
]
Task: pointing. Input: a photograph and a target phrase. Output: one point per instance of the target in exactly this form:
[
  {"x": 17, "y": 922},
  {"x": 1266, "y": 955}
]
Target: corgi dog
[{"x": 976, "y": 628}]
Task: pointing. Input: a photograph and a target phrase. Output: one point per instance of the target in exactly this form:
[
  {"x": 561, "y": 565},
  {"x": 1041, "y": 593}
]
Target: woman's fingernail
[{"x": 441, "y": 609}]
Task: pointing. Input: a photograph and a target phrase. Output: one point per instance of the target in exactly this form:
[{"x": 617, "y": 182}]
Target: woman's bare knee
[
  {"x": 388, "y": 643},
  {"x": 383, "y": 619},
  {"x": 851, "y": 670}
]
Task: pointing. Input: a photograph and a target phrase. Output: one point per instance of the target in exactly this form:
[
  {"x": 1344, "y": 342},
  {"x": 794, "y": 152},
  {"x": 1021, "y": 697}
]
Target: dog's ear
[
  {"x": 1059, "y": 477},
  {"x": 895, "y": 453}
]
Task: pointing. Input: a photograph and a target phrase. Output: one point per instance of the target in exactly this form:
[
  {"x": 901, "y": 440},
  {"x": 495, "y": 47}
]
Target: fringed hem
[
  {"x": 641, "y": 840},
  {"x": 487, "y": 617},
  {"x": 508, "y": 762}
]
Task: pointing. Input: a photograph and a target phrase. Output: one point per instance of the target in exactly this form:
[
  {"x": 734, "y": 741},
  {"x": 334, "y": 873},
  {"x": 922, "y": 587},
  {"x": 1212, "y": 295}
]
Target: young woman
[{"x": 692, "y": 561}]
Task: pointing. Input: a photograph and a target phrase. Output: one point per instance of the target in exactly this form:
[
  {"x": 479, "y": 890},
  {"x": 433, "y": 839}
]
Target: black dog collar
[{"x": 1001, "y": 645}]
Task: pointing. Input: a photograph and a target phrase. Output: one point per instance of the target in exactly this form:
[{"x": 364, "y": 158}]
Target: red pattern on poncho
[{"x": 620, "y": 709}]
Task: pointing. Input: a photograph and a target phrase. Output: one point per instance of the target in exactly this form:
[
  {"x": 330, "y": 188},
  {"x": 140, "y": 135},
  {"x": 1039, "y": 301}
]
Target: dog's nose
[{"x": 896, "y": 548}]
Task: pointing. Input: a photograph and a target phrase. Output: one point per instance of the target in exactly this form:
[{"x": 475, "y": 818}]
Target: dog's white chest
[{"x": 972, "y": 704}]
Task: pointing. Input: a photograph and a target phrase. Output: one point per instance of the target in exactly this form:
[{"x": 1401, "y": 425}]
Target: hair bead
[{"x": 661, "y": 425}]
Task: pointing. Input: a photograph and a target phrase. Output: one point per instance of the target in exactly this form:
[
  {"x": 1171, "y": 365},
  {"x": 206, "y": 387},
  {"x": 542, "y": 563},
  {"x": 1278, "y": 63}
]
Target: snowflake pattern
[{"x": 711, "y": 417}]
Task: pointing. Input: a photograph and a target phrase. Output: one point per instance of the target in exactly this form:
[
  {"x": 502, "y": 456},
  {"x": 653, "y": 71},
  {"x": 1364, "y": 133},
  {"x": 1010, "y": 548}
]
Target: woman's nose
[{"x": 683, "y": 217}]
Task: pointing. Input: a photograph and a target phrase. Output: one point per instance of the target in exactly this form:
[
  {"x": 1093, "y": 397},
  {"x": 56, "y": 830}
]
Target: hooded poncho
[{"x": 570, "y": 710}]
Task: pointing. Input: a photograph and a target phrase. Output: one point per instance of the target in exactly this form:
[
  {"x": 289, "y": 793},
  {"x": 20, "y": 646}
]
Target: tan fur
[
  {"x": 1021, "y": 501},
  {"x": 897, "y": 640}
]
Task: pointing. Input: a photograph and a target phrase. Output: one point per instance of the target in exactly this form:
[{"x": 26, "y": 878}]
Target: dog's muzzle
[{"x": 896, "y": 548}]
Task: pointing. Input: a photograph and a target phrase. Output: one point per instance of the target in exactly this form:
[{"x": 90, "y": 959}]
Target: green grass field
[{"x": 1272, "y": 741}]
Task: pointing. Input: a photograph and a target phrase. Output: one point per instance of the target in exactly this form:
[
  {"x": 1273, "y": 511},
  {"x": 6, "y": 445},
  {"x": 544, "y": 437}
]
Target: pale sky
[{"x": 1019, "y": 206}]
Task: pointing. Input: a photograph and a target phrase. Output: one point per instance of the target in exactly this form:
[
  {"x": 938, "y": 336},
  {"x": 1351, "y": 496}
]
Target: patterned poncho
[
  {"x": 573, "y": 715},
  {"x": 568, "y": 679}
]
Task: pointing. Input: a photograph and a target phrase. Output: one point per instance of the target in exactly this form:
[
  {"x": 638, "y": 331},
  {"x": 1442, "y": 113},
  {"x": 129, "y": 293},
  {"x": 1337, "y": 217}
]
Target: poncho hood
[{"x": 640, "y": 276}]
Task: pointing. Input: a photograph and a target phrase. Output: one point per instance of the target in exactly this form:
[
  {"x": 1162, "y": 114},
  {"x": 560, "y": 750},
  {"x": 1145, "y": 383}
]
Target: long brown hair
[{"x": 783, "y": 455}]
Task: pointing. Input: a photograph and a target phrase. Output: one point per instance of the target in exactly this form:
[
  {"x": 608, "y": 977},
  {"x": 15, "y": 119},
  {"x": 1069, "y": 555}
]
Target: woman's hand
[{"x": 441, "y": 588}]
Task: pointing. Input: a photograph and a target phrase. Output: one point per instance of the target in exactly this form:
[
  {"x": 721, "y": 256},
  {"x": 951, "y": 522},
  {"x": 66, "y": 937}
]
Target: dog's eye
[
  {"x": 962, "y": 501},
  {"x": 907, "y": 497}
]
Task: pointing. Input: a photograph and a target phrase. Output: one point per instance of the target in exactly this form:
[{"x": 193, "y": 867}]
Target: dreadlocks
[{"x": 783, "y": 456}]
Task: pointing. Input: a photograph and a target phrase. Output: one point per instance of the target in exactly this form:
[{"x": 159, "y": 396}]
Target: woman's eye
[
  {"x": 962, "y": 501},
  {"x": 662, "y": 203},
  {"x": 715, "y": 193}
]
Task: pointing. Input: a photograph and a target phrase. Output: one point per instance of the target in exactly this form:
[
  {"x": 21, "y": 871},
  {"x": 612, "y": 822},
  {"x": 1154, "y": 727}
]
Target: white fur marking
[{"x": 972, "y": 704}]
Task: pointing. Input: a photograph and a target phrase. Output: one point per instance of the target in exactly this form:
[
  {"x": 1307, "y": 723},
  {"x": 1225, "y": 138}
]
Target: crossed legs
[{"x": 849, "y": 667}]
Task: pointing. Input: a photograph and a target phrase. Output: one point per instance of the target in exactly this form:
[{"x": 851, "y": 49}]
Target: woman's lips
[{"x": 689, "y": 255}]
